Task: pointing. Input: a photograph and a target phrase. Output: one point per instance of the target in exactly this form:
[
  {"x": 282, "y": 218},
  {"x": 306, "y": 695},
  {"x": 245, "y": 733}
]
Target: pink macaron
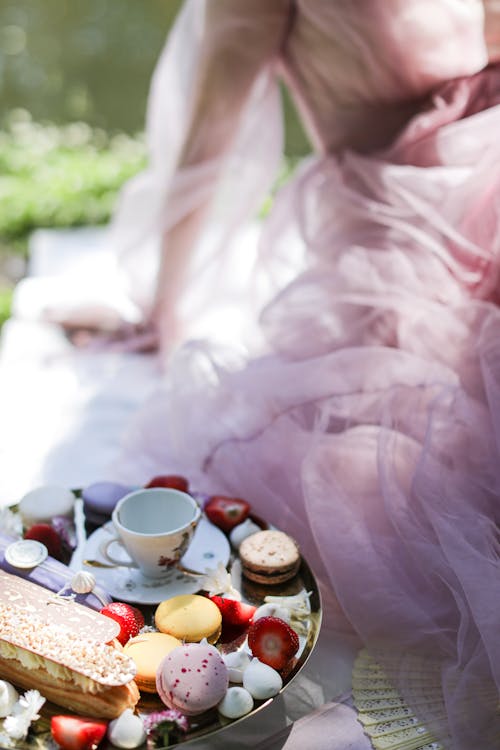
[{"x": 192, "y": 678}]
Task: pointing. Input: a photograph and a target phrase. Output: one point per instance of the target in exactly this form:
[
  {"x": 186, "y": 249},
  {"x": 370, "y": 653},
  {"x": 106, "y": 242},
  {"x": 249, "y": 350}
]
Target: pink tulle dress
[{"x": 364, "y": 418}]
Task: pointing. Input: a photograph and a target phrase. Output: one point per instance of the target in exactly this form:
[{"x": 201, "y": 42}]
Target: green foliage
[
  {"x": 54, "y": 176},
  {"x": 60, "y": 176},
  {"x": 5, "y": 302},
  {"x": 90, "y": 60}
]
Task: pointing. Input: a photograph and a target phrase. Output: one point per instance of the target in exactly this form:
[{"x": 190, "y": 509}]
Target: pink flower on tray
[{"x": 164, "y": 727}]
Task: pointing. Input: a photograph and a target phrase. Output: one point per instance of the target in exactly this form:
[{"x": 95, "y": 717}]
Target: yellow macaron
[
  {"x": 147, "y": 651},
  {"x": 189, "y": 617}
]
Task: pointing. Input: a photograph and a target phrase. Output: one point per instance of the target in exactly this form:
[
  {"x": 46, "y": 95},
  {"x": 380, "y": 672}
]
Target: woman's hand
[
  {"x": 99, "y": 328},
  {"x": 139, "y": 338}
]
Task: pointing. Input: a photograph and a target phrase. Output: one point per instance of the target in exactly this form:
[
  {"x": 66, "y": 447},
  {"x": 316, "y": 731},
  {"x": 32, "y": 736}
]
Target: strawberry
[
  {"x": 226, "y": 512},
  {"x": 232, "y": 637},
  {"x": 139, "y": 617},
  {"x": 129, "y": 618},
  {"x": 174, "y": 481},
  {"x": 234, "y": 612},
  {"x": 77, "y": 733},
  {"x": 46, "y": 534},
  {"x": 272, "y": 641}
]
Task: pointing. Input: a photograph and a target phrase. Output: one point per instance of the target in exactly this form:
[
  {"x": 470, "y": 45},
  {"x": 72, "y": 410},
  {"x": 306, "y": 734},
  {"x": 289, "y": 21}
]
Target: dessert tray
[{"x": 210, "y": 551}]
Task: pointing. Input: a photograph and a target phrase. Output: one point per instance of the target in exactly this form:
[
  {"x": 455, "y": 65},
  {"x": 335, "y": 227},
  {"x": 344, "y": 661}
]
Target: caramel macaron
[
  {"x": 189, "y": 617},
  {"x": 147, "y": 651},
  {"x": 269, "y": 557}
]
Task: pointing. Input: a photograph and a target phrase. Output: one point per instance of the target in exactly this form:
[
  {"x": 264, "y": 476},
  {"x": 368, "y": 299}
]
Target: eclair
[{"x": 64, "y": 650}]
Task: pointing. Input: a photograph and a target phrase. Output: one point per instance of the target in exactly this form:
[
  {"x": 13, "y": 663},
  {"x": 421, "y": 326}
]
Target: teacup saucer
[{"x": 209, "y": 547}]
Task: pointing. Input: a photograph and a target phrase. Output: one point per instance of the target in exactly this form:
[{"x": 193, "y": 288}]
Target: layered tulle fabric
[
  {"x": 370, "y": 431},
  {"x": 369, "y": 425},
  {"x": 358, "y": 71}
]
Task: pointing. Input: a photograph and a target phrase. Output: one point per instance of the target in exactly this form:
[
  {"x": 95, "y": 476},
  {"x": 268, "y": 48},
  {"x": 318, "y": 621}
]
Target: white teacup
[{"x": 155, "y": 526}]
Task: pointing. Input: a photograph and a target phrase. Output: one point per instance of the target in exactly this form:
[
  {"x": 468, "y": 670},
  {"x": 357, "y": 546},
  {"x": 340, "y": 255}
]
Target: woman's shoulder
[
  {"x": 398, "y": 44},
  {"x": 346, "y": 58}
]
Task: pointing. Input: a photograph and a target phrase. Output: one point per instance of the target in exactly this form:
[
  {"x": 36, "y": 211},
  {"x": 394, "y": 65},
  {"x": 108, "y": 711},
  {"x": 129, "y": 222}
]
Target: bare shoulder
[{"x": 492, "y": 29}]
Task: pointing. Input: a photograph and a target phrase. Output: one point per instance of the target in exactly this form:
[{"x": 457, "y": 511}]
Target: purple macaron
[{"x": 100, "y": 498}]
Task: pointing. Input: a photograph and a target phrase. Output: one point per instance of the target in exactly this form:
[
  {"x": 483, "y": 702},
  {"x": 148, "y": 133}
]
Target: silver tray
[{"x": 211, "y": 722}]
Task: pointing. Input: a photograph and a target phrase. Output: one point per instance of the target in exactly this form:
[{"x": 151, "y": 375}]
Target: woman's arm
[{"x": 239, "y": 39}]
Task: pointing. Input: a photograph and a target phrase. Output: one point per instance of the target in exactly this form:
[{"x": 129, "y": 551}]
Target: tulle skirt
[{"x": 369, "y": 429}]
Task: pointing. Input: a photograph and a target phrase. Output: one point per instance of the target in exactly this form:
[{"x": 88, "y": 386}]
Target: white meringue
[
  {"x": 236, "y": 663},
  {"x": 83, "y": 582},
  {"x": 241, "y": 531},
  {"x": 272, "y": 610},
  {"x": 127, "y": 731},
  {"x": 261, "y": 681},
  {"x": 8, "y": 698},
  {"x": 236, "y": 702}
]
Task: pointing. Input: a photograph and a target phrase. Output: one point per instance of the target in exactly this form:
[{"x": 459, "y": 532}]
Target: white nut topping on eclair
[{"x": 93, "y": 659}]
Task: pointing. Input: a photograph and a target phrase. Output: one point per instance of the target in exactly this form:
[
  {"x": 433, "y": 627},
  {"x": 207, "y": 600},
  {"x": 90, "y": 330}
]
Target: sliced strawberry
[
  {"x": 226, "y": 512},
  {"x": 76, "y": 733},
  {"x": 129, "y": 618},
  {"x": 174, "y": 481},
  {"x": 46, "y": 534},
  {"x": 234, "y": 612},
  {"x": 272, "y": 641}
]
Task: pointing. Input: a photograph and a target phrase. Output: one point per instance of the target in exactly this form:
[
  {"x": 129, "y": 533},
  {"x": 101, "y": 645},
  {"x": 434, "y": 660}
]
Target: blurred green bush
[
  {"x": 60, "y": 176},
  {"x": 5, "y": 302},
  {"x": 57, "y": 176},
  {"x": 64, "y": 176}
]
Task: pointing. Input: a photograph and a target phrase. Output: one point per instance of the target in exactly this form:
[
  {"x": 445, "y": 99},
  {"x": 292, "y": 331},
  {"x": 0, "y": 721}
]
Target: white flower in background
[
  {"x": 10, "y": 523},
  {"x": 298, "y": 607},
  {"x": 24, "y": 712},
  {"x": 218, "y": 581}
]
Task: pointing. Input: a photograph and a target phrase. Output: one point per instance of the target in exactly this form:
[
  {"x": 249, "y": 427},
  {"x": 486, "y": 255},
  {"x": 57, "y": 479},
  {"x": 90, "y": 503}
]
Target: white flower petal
[
  {"x": 16, "y": 726},
  {"x": 8, "y": 698},
  {"x": 217, "y": 581},
  {"x": 10, "y": 523}
]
